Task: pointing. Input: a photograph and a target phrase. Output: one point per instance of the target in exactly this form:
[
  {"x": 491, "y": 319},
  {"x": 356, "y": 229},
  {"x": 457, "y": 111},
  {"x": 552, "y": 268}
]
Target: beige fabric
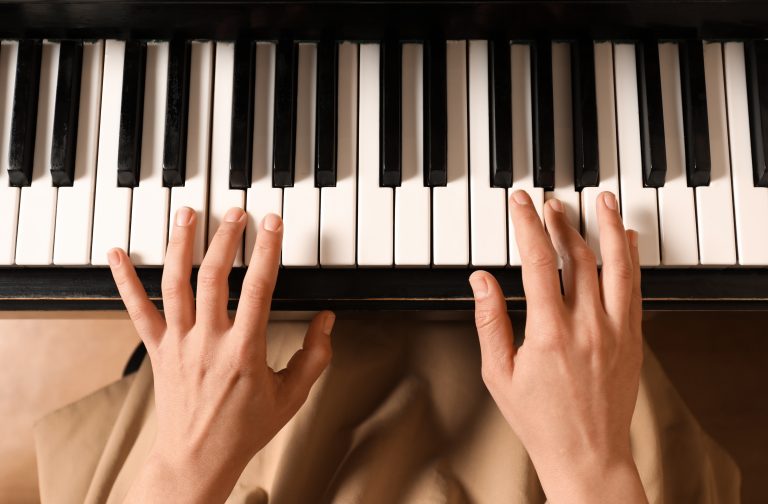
[{"x": 400, "y": 416}]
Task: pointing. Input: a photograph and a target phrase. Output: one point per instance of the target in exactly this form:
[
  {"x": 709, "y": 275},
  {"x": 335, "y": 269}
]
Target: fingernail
[
  {"x": 479, "y": 285},
  {"x": 330, "y": 319},
  {"x": 556, "y": 205},
  {"x": 633, "y": 238},
  {"x": 184, "y": 216},
  {"x": 272, "y": 222},
  {"x": 234, "y": 215},
  {"x": 113, "y": 257},
  {"x": 521, "y": 197},
  {"x": 610, "y": 200}
]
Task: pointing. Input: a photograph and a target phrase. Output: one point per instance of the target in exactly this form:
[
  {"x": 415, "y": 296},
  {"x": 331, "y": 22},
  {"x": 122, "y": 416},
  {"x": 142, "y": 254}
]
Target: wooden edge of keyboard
[{"x": 30, "y": 288}]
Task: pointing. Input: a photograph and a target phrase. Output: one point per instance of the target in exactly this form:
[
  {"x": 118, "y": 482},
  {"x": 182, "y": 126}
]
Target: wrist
[
  {"x": 592, "y": 478},
  {"x": 185, "y": 476}
]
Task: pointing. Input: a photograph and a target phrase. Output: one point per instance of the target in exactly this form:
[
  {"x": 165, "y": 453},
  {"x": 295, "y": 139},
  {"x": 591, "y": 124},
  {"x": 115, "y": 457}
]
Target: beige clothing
[{"x": 401, "y": 415}]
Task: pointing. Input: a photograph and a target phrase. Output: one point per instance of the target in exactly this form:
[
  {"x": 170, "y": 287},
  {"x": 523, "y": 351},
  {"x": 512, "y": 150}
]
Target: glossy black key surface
[
  {"x": 131, "y": 114},
  {"x": 500, "y": 92},
  {"x": 241, "y": 134},
  {"x": 390, "y": 97},
  {"x": 695, "y": 120},
  {"x": 435, "y": 115},
  {"x": 586, "y": 167},
  {"x": 286, "y": 82},
  {"x": 24, "y": 118},
  {"x": 326, "y": 113},
  {"x": 652, "y": 142},
  {"x": 65, "y": 116},
  {"x": 176, "y": 114},
  {"x": 542, "y": 115},
  {"x": 756, "y": 59}
]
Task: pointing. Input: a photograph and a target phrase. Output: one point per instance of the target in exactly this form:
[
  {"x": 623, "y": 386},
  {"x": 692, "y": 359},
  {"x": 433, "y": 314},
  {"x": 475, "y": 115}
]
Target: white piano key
[
  {"x": 714, "y": 203},
  {"x": 261, "y": 197},
  {"x": 222, "y": 198},
  {"x": 194, "y": 193},
  {"x": 112, "y": 207},
  {"x": 750, "y": 202},
  {"x": 564, "y": 189},
  {"x": 301, "y": 203},
  {"x": 607, "y": 149},
  {"x": 677, "y": 208},
  {"x": 488, "y": 205},
  {"x": 375, "y": 205},
  {"x": 338, "y": 205},
  {"x": 412, "y": 198},
  {"x": 9, "y": 196},
  {"x": 37, "y": 205},
  {"x": 522, "y": 139},
  {"x": 74, "y": 212},
  {"x": 639, "y": 203},
  {"x": 450, "y": 204},
  {"x": 149, "y": 217}
]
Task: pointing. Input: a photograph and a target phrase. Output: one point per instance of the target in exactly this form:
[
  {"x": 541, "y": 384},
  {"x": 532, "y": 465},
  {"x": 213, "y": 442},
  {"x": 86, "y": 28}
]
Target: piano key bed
[{"x": 390, "y": 155}]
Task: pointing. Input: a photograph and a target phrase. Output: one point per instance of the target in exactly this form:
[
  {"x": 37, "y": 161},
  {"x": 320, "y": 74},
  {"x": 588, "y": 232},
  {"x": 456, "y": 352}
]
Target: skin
[
  {"x": 568, "y": 392},
  {"x": 217, "y": 401}
]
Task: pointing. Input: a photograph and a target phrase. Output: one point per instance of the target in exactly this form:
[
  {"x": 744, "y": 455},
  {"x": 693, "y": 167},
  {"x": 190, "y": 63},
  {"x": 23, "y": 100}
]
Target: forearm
[
  {"x": 593, "y": 481},
  {"x": 183, "y": 479}
]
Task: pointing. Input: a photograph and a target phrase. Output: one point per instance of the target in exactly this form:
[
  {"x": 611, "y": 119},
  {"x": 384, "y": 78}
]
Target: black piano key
[
  {"x": 241, "y": 134},
  {"x": 24, "y": 118},
  {"x": 500, "y": 83},
  {"x": 67, "y": 107},
  {"x": 286, "y": 82},
  {"x": 695, "y": 120},
  {"x": 584, "y": 106},
  {"x": 543, "y": 115},
  {"x": 435, "y": 115},
  {"x": 326, "y": 114},
  {"x": 756, "y": 59},
  {"x": 652, "y": 142},
  {"x": 131, "y": 114},
  {"x": 176, "y": 114},
  {"x": 391, "y": 114}
]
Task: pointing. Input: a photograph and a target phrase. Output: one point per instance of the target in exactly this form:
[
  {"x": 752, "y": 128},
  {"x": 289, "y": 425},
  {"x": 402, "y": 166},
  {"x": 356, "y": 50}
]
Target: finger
[
  {"x": 212, "y": 278},
  {"x": 494, "y": 329},
  {"x": 259, "y": 283},
  {"x": 579, "y": 264},
  {"x": 636, "y": 305},
  {"x": 307, "y": 364},
  {"x": 539, "y": 260},
  {"x": 145, "y": 317},
  {"x": 178, "y": 299},
  {"x": 616, "y": 275}
]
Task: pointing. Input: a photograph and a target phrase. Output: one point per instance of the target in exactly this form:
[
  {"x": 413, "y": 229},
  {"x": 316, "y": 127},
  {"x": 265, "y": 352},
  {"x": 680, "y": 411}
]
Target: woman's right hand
[{"x": 569, "y": 391}]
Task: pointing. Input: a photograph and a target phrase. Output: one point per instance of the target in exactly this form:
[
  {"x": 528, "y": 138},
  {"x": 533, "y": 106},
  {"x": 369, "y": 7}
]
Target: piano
[{"x": 388, "y": 135}]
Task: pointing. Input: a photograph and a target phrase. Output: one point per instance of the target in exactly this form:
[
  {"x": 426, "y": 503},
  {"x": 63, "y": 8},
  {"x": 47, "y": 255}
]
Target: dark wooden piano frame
[{"x": 389, "y": 289}]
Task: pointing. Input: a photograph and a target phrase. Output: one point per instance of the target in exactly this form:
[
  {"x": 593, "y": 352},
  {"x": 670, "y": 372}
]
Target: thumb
[
  {"x": 497, "y": 349},
  {"x": 308, "y": 363}
]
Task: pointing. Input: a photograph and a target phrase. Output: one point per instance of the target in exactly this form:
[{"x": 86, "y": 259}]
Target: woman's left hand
[{"x": 217, "y": 401}]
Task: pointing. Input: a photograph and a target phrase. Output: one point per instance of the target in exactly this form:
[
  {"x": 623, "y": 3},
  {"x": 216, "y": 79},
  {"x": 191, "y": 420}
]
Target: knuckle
[
  {"x": 256, "y": 292},
  {"x": 209, "y": 277},
  {"x": 486, "y": 319},
  {"x": 541, "y": 258},
  {"x": 122, "y": 280},
  {"x": 622, "y": 269},
  {"x": 178, "y": 238},
  {"x": 172, "y": 289},
  {"x": 136, "y": 311},
  {"x": 583, "y": 254},
  {"x": 228, "y": 231}
]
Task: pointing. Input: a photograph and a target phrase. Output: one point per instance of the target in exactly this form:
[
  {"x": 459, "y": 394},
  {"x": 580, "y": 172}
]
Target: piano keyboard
[{"x": 388, "y": 154}]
